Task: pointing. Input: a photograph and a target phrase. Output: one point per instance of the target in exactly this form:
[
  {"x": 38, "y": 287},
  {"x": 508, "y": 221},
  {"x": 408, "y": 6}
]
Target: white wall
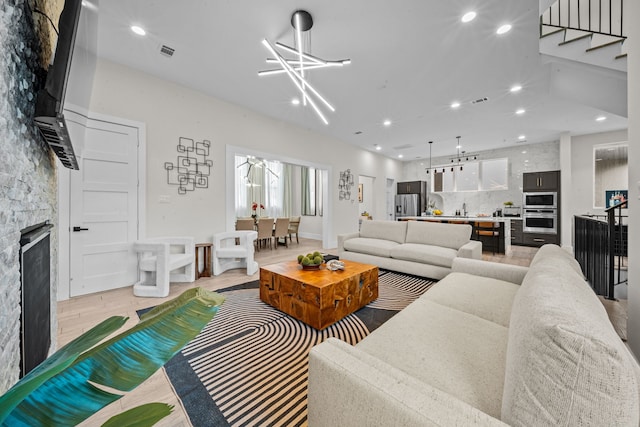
[
  {"x": 369, "y": 199},
  {"x": 171, "y": 111},
  {"x": 633, "y": 70}
]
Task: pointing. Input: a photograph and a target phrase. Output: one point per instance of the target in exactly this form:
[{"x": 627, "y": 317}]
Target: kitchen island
[{"x": 503, "y": 228}]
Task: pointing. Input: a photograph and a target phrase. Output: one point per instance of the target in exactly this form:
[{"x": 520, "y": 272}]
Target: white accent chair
[
  {"x": 163, "y": 260},
  {"x": 234, "y": 249}
]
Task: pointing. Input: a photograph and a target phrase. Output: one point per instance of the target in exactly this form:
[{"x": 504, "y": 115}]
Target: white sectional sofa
[
  {"x": 414, "y": 247},
  {"x": 489, "y": 345}
]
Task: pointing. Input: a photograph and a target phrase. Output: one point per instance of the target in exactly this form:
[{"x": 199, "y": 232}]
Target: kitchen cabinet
[
  {"x": 539, "y": 239},
  {"x": 541, "y": 181},
  {"x": 516, "y": 232},
  {"x": 412, "y": 187}
]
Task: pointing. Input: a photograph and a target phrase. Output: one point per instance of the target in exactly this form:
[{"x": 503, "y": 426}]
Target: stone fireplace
[{"x": 28, "y": 180}]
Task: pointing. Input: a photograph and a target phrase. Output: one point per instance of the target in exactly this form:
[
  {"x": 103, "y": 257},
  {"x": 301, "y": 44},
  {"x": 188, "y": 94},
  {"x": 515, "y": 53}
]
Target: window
[
  {"x": 487, "y": 175},
  {"x": 467, "y": 177},
  {"x": 311, "y": 191},
  {"x": 495, "y": 174},
  {"x": 264, "y": 182}
]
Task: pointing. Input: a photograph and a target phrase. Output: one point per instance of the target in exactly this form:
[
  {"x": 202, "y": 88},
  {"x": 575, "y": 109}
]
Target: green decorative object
[
  {"x": 143, "y": 415},
  {"x": 311, "y": 261},
  {"x": 59, "y": 391}
]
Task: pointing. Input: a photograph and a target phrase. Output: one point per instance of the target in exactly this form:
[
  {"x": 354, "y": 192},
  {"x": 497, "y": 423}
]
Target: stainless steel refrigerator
[{"x": 407, "y": 205}]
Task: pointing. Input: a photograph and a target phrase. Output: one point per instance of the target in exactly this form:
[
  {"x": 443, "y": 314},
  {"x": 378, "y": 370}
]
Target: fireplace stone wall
[{"x": 28, "y": 181}]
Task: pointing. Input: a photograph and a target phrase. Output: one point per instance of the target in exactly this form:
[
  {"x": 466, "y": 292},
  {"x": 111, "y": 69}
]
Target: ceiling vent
[
  {"x": 403, "y": 147},
  {"x": 479, "y": 100},
  {"x": 167, "y": 51}
]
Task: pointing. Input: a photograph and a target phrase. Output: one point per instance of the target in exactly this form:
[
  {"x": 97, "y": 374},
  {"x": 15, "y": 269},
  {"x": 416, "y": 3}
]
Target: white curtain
[{"x": 266, "y": 183}]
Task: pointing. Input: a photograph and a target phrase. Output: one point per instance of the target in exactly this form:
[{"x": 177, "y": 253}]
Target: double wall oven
[{"x": 540, "y": 212}]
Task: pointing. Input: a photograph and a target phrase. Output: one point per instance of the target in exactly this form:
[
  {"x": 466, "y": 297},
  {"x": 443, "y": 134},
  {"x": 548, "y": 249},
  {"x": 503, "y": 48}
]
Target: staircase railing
[
  {"x": 600, "y": 247},
  {"x": 595, "y": 16}
]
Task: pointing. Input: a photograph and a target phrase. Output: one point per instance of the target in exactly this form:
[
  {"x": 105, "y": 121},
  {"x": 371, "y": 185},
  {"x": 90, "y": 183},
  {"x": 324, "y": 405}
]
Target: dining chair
[
  {"x": 294, "y": 224},
  {"x": 281, "y": 231},
  {"x": 265, "y": 231},
  {"x": 245, "y": 224}
]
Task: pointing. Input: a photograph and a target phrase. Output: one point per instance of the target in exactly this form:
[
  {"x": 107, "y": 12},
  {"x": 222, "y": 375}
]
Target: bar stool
[{"x": 491, "y": 229}]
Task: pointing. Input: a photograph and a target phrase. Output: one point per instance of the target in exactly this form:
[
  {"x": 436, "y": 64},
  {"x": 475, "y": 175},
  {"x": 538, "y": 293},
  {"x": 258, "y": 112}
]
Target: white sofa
[
  {"x": 414, "y": 247},
  {"x": 491, "y": 344}
]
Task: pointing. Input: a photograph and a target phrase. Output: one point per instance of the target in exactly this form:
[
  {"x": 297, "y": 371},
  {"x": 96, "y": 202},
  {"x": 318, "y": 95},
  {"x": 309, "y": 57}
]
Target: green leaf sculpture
[
  {"x": 66, "y": 388},
  {"x": 140, "y": 416}
]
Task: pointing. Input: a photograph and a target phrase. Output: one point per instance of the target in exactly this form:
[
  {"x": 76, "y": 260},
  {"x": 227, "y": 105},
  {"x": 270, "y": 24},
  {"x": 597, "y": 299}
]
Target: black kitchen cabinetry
[
  {"x": 516, "y": 232},
  {"x": 412, "y": 187},
  {"x": 541, "y": 181},
  {"x": 539, "y": 239}
]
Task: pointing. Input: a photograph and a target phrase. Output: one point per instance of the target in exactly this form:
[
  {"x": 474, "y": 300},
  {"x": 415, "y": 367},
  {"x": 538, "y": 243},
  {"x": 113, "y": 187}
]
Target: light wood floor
[{"x": 81, "y": 313}]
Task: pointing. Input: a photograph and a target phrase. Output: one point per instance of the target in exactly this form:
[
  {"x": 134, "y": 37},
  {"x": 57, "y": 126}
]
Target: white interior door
[
  {"x": 104, "y": 208},
  {"x": 391, "y": 200}
]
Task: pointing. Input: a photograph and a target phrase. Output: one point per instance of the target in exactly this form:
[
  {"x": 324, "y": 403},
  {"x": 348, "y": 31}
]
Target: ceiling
[{"x": 410, "y": 59}]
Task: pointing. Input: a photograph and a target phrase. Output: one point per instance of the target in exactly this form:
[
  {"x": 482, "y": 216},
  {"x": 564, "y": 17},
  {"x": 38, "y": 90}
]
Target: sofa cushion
[
  {"x": 369, "y": 246},
  {"x": 394, "y": 231},
  {"x": 556, "y": 255},
  {"x": 425, "y": 254},
  {"x": 565, "y": 363},
  {"x": 490, "y": 299},
  {"x": 431, "y": 233},
  {"x": 458, "y": 353}
]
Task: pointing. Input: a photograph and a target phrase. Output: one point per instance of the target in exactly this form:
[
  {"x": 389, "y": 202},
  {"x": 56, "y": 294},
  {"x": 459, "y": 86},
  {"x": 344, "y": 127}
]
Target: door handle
[{"x": 80, "y": 229}]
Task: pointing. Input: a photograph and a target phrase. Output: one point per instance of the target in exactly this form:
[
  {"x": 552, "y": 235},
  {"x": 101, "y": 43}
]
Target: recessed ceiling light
[
  {"x": 520, "y": 111},
  {"x": 138, "y": 30},
  {"x": 468, "y": 17},
  {"x": 601, "y": 118},
  {"x": 503, "y": 29},
  {"x": 524, "y": 151},
  {"x": 295, "y": 101},
  {"x": 455, "y": 104},
  {"x": 378, "y": 147},
  {"x": 515, "y": 88},
  {"x": 521, "y": 137},
  {"x": 387, "y": 122},
  {"x": 400, "y": 156}
]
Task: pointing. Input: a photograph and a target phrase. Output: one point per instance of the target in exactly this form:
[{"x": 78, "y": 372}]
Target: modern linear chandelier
[
  {"x": 461, "y": 156},
  {"x": 457, "y": 160},
  {"x": 298, "y": 66}
]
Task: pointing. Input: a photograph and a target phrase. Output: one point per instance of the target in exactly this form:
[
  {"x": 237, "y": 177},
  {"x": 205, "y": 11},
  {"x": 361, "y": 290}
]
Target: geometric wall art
[
  {"x": 344, "y": 185},
  {"x": 192, "y": 169}
]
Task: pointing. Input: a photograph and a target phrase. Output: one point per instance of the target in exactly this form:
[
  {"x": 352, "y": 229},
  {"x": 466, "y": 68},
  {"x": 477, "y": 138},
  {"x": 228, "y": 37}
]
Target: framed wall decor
[{"x": 615, "y": 197}]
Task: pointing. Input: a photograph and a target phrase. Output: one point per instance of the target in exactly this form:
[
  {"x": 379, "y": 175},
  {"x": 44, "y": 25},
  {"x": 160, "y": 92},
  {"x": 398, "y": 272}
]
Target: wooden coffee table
[{"x": 322, "y": 297}]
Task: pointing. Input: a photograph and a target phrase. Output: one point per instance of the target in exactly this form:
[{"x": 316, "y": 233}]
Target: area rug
[{"x": 248, "y": 366}]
